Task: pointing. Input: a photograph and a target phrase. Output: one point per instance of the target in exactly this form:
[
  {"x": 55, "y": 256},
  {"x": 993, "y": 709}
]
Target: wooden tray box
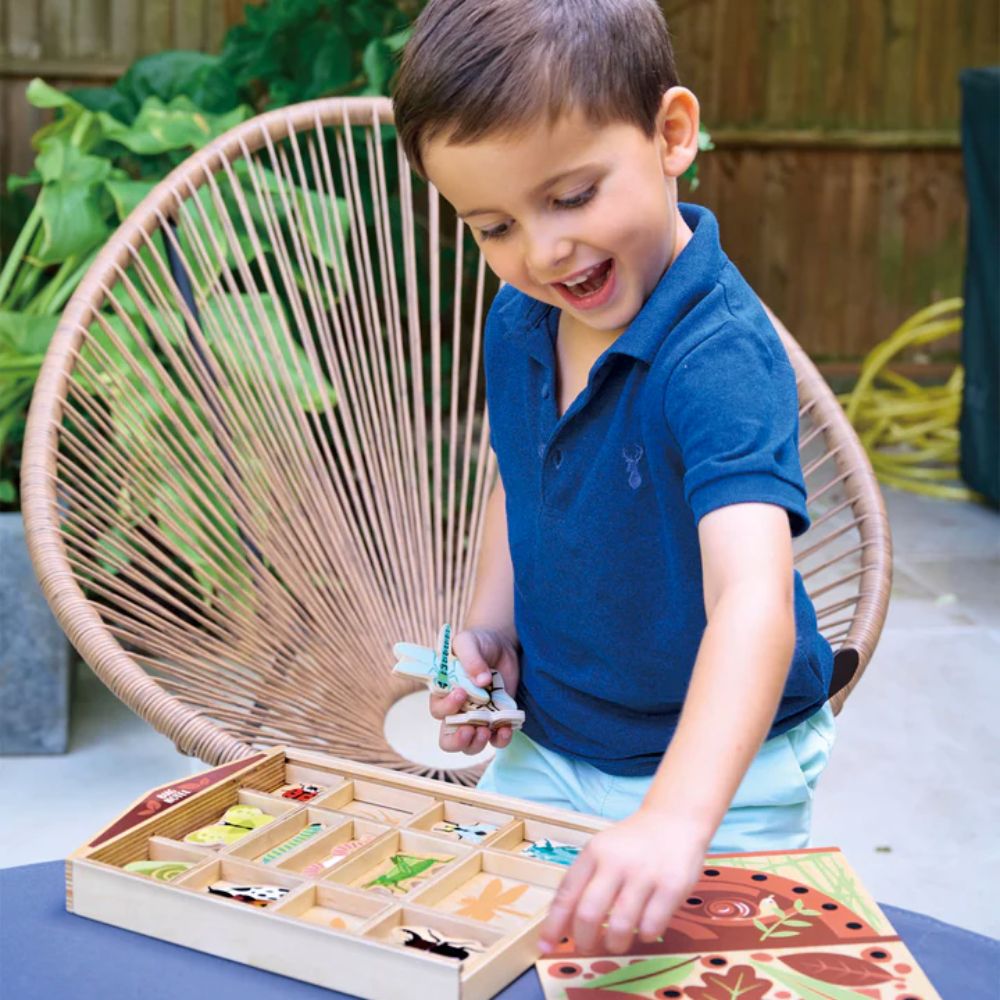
[{"x": 328, "y": 929}]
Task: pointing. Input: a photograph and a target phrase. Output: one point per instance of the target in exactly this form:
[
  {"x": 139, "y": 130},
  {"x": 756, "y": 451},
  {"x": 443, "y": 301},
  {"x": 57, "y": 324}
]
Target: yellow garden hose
[{"x": 911, "y": 431}]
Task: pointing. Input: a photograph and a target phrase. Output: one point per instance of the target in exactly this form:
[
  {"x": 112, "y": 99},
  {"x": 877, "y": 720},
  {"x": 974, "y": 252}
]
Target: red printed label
[{"x": 164, "y": 798}]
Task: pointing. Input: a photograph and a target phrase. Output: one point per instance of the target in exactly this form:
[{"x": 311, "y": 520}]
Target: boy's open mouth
[
  {"x": 592, "y": 288},
  {"x": 593, "y": 281}
]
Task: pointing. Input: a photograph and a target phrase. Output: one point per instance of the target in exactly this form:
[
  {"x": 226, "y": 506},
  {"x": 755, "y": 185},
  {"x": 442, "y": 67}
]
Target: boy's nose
[{"x": 547, "y": 257}]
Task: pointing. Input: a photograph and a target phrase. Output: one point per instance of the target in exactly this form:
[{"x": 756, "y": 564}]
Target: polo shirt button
[
  {"x": 546, "y": 391},
  {"x": 541, "y": 450},
  {"x": 557, "y": 457}
]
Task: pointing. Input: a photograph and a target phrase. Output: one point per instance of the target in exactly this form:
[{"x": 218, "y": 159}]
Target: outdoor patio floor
[{"x": 910, "y": 795}]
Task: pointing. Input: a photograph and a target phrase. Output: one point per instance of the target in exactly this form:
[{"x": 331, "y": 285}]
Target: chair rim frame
[{"x": 186, "y": 727}]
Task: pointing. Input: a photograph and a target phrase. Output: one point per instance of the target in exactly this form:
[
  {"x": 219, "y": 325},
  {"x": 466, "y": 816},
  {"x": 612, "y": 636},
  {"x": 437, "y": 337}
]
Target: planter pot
[{"x": 35, "y": 656}]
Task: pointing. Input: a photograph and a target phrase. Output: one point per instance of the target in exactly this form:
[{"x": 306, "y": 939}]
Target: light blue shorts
[{"x": 772, "y": 808}]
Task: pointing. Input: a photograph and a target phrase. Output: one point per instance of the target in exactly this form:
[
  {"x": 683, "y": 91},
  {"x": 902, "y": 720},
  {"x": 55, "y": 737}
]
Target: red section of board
[{"x": 161, "y": 799}]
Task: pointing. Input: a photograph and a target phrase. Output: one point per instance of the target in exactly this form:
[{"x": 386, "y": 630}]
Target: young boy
[{"x": 635, "y": 587}]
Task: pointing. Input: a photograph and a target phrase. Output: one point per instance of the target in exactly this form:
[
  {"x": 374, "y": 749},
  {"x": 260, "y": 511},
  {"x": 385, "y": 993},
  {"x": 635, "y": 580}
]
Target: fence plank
[
  {"x": 91, "y": 28},
  {"x": 23, "y": 35}
]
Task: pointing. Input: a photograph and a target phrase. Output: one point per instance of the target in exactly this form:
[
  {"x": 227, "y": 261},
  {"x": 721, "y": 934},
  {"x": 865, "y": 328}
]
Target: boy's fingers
[
  {"x": 592, "y": 910},
  {"x": 625, "y": 913},
  {"x": 659, "y": 909},
  {"x": 560, "y": 918},
  {"x": 501, "y": 736},
  {"x": 453, "y": 738},
  {"x": 468, "y": 649},
  {"x": 451, "y": 703},
  {"x": 479, "y": 740}
]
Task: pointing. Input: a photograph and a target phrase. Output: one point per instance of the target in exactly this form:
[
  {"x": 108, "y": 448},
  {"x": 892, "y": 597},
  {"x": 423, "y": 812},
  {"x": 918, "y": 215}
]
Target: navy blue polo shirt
[{"x": 692, "y": 408}]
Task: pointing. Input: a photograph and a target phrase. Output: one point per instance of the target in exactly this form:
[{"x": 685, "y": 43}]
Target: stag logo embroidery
[{"x": 632, "y": 453}]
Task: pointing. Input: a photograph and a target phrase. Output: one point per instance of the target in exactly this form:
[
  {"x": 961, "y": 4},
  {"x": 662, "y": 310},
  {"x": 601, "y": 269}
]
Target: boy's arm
[
  {"x": 492, "y": 604},
  {"x": 637, "y": 872},
  {"x": 488, "y": 639}
]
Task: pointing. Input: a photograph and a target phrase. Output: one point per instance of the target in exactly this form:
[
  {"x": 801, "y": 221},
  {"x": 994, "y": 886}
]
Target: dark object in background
[{"x": 980, "y": 421}]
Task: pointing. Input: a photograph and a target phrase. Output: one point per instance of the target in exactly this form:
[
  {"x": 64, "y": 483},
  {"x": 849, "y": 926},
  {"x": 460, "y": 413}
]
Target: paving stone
[{"x": 35, "y": 656}]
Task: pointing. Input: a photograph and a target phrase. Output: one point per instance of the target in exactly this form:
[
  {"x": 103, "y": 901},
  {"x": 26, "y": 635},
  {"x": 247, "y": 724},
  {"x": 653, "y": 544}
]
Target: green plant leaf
[
  {"x": 180, "y": 124},
  {"x": 108, "y": 100},
  {"x": 379, "y": 65},
  {"x": 174, "y": 73},
  {"x": 74, "y": 124},
  {"x": 7, "y": 492},
  {"x": 73, "y": 221},
  {"x": 24, "y": 335},
  {"x": 126, "y": 194}
]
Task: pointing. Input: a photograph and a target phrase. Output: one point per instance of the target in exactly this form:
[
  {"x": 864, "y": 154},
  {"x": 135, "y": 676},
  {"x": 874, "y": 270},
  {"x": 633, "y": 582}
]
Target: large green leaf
[
  {"x": 166, "y": 75},
  {"x": 74, "y": 124},
  {"x": 24, "y": 335},
  {"x": 179, "y": 124},
  {"x": 73, "y": 218},
  {"x": 126, "y": 195}
]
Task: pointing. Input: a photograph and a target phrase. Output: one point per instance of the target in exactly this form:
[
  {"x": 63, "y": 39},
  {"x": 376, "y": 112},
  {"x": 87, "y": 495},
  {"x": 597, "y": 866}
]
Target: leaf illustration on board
[
  {"x": 844, "y": 970},
  {"x": 493, "y": 900},
  {"x": 644, "y": 976},
  {"x": 738, "y": 983}
]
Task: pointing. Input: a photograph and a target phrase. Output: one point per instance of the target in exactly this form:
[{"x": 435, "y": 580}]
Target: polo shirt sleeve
[{"x": 732, "y": 407}]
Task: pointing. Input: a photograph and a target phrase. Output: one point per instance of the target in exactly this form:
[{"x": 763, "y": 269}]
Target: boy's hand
[
  {"x": 631, "y": 876},
  {"x": 479, "y": 650}
]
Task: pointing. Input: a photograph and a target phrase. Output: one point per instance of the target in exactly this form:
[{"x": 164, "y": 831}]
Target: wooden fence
[{"x": 837, "y": 176}]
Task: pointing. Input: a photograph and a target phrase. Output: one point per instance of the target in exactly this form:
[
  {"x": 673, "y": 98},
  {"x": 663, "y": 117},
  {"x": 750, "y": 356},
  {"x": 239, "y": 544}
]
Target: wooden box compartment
[
  {"x": 302, "y": 785},
  {"x": 540, "y": 841},
  {"x": 205, "y": 877},
  {"x": 458, "y": 822},
  {"x": 320, "y": 855},
  {"x": 284, "y": 837},
  {"x": 327, "y": 928},
  {"x": 254, "y": 804},
  {"x": 377, "y": 802},
  {"x": 496, "y": 889},
  {"x": 170, "y": 858},
  {"x": 432, "y": 933},
  {"x": 398, "y": 863},
  {"x": 333, "y": 906}
]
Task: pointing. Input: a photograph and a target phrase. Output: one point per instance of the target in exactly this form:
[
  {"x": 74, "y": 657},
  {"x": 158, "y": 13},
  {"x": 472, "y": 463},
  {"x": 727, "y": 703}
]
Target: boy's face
[{"x": 574, "y": 200}]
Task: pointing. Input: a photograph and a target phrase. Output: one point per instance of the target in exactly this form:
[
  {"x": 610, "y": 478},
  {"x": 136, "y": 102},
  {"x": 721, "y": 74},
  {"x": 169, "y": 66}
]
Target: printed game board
[
  {"x": 757, "y": 927},
  {"x": 360, "y": 879}
]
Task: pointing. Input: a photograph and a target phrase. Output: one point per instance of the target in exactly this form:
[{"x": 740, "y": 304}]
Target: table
[{"x": 46, "y": 952}]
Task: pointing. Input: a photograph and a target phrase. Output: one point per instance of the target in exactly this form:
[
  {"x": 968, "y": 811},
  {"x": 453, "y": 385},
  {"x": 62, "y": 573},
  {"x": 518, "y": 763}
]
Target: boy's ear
[{"x": 677, "y": 130}]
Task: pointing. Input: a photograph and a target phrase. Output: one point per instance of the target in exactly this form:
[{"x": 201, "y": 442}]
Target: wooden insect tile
[
  {"x": 494, "y": 889},
  {"x": 359, "y": 879},
  {"x": 543, "y": 842},
  {"x": 761, "y": 926}
]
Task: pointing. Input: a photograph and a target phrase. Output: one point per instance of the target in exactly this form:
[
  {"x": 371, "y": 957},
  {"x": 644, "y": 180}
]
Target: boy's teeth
[
  {"x": 591, "y": 281},
  {"x": 582, "y": 278}
]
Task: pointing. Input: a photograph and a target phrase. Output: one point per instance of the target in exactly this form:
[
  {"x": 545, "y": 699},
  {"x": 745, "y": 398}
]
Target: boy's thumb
[{"x": 470, "y": 655}]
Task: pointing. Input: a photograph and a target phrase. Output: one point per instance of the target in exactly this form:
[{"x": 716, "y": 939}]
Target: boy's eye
[
  {"x": 496, "y": 233},
  {"x": 577, "y": 200}
]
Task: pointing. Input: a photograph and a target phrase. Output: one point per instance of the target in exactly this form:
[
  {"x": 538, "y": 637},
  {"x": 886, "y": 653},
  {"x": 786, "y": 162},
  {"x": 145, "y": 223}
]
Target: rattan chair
[{"x": 256, "y": 455}]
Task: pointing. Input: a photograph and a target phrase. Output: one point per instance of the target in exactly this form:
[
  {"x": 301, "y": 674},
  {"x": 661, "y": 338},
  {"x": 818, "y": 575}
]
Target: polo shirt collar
[{"x": 688, "y": 279}]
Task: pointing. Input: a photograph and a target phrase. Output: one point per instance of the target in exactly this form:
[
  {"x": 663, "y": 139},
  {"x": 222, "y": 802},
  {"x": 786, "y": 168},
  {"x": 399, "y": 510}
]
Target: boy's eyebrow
[{"x": 537, "y": 191}]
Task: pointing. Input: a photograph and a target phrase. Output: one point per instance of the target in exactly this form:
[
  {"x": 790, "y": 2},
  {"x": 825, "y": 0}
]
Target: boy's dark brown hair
[{"x": 478, "y": 67}]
